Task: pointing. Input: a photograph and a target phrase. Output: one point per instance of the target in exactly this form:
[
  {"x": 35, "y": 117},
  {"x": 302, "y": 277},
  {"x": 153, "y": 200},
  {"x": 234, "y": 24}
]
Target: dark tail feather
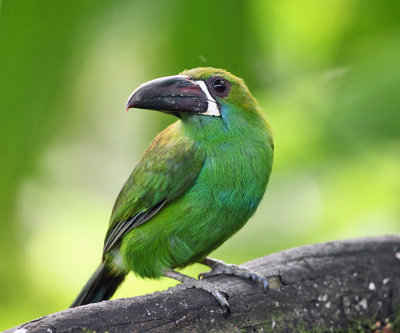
[{"x": 101, "y": 286}]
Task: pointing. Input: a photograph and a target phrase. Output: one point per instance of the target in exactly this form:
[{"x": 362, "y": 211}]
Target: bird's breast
[{"x": 233, "y": 180}]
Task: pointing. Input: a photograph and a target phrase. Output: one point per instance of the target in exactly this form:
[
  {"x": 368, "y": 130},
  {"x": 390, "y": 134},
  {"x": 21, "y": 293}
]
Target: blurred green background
[{"x": 326, "y": 73}]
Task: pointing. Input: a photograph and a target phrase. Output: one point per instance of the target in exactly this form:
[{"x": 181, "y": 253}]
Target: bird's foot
[
  {"x": 218, "y": 267},
  {"x": 188, "y": 282}
]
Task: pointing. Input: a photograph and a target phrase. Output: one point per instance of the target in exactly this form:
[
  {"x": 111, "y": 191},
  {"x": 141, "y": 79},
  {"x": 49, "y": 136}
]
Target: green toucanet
[{"x": 197, "y": 183}]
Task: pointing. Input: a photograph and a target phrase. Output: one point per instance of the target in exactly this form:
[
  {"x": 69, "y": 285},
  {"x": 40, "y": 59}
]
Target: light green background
[{"x": 326, "y": 74}]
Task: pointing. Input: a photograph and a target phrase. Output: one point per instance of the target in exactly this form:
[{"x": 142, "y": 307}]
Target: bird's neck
[{"x": 234, "y": 127}]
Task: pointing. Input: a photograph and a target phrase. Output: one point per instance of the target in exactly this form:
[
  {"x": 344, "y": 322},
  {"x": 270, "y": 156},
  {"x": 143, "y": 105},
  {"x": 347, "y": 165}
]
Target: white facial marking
[{"x": 212, "y": 109}]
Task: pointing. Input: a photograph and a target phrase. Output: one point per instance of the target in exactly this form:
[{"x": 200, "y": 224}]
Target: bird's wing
[{"x": 167, "y": 169}]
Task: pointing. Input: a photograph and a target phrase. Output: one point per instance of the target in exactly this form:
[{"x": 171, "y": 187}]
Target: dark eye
[{"x": 219, "y": 85}]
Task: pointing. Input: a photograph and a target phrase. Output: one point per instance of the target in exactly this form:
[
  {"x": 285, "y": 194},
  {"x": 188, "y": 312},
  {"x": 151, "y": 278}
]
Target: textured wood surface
[{"x": 323, "y": 286}]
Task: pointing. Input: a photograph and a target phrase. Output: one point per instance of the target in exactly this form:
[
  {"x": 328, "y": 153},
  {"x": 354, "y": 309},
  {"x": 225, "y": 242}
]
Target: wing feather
[
  {"x": 124, "y": 227},
  {"x": 169, "y": 166}
]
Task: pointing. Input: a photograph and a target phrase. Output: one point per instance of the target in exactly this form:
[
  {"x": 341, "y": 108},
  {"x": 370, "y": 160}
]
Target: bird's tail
[{"x": 101, "y": 286}]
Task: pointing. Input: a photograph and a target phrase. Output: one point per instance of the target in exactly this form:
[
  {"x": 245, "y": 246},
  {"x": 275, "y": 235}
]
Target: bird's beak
[{"x": 171, "y": 94}]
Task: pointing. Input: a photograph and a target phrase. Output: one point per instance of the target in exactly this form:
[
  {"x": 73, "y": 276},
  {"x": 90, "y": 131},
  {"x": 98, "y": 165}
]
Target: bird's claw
[
  {"x": 218, "y": 293},
  {"x": 219, "y": 267}
]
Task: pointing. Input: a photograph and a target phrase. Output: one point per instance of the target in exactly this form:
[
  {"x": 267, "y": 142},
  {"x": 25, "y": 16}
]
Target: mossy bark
[{"x": 322, "y": 287}]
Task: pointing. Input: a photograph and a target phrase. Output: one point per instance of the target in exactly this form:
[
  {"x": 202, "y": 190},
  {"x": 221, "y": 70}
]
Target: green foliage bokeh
[{"x": 326, "y": 74}]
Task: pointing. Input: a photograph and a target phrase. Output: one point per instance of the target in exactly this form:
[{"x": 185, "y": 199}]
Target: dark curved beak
[{"x": 170, "y": 94}]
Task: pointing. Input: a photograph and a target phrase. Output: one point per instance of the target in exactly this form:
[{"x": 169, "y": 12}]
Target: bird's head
[{"x": 199, "y": 92}]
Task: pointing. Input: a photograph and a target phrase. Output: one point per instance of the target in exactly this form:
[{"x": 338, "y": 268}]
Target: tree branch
[{"x": 325, "y": 286}]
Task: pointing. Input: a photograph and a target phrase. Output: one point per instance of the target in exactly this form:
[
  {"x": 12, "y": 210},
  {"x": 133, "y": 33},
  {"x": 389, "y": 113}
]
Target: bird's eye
[{"x": 219, "y": 85}]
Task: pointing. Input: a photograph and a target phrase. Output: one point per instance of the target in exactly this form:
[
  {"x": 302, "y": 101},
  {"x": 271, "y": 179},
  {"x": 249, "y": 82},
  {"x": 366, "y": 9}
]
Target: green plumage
[{"x": 197, "y": 184}]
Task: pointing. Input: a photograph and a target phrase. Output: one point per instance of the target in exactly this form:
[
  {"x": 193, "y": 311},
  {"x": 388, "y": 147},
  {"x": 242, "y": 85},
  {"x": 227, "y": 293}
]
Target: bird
[{"x": 197, "y": 184}]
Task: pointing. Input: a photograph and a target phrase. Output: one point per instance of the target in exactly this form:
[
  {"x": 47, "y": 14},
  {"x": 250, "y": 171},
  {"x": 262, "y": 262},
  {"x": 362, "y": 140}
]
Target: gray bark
[{"x": 322, "y": 287}]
